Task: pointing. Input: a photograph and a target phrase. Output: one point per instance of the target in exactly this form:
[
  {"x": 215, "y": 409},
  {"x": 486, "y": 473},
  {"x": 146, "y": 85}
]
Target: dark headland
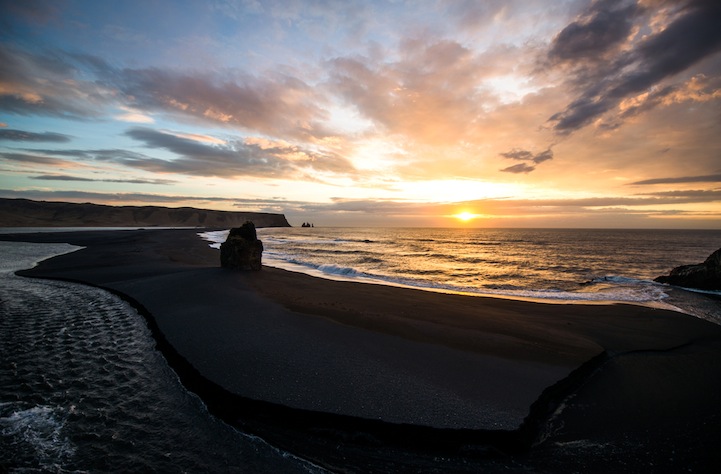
[
  {"x": 28, "y": 213},
  {"x": 369, "y": 378}
]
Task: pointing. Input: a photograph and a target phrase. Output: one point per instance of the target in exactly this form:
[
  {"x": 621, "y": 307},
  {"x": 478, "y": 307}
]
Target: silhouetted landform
[
  {"x": 28, "y": 213},
  {"x": 242, "y": 250},
  {"x": 703, "y": 276},
  {"x": 307, "y": 224}
]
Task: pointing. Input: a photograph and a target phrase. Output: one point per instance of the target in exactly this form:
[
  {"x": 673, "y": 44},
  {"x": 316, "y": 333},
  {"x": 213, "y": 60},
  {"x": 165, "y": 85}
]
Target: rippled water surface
[{"x": 83, "y": 389}]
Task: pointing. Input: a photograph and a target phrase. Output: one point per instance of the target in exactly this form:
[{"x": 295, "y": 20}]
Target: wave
[
  {"x": 36, "y": 433},
  {"x": 617, "y": 279},
  {"x": 603, "y": 289},
  {"x": 338, "y": 252},
  {"x": 215, "y": 237},
  {"x": 622, "y": 291},
  {"x": 508, "y": 266},
  {"x": 27, "y": 255},
  {"x": 354, "y": 241},
  {"x": 336, "y": 270}
]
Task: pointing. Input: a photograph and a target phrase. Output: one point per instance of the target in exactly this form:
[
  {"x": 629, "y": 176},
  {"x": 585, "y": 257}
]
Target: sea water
[
  {"x": 553, "y": 265},
  {"x": 83, "y": 389}
]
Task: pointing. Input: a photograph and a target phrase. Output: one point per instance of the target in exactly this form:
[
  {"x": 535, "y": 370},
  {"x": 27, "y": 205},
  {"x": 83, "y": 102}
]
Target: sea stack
[
  {"x": 242, "y": 250},
  {"x": 703, "y": 276}
]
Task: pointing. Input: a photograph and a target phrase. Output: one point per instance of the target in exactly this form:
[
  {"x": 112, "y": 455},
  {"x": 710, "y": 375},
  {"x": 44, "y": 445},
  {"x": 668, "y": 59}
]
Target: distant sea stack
[
  {"x": 27, "y": 213},
  {"x": 703, "y": 276}
]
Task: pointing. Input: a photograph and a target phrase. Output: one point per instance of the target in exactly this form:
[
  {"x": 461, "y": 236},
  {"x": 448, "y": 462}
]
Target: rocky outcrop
[
  {"x": 703, "y": 276},
  {"x": 242, "y": 250},
  {"x": 27, "y": 213}
]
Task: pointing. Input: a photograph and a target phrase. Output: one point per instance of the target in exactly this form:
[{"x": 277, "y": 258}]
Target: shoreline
[
  {"x": 528, "y": 299},
  {"x": 654, "y": 295},
  {"x": 584, "y": 344}
]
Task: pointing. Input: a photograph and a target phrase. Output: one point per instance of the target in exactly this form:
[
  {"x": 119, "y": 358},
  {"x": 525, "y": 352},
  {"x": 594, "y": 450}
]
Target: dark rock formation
[
  {"x": 704, "y": 276},
  {"x": 242, "y": 250}
]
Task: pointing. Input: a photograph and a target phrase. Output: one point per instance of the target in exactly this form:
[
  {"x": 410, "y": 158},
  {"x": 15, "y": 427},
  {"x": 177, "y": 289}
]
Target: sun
[{"x": 465, "y": 216}]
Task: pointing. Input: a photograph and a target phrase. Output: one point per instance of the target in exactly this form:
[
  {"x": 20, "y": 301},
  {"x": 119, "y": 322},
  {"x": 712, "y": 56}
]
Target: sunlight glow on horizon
[{"x": 466, "y": 216}]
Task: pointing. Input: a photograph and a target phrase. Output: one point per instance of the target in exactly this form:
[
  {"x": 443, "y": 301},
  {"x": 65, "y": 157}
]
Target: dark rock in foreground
[
  {"x": 703, "y": 276},
  {"x": 242, "y": 250}
]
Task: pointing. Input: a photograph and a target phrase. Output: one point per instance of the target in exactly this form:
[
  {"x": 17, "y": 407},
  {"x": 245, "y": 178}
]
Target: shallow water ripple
[{"x": 82, "y": 388}]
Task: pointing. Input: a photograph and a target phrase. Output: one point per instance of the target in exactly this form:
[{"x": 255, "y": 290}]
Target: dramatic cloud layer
[
  {"x": 712, "y": 178},
  {"x": 517, "y": 111},
  {"x": 24, "y": 136},
  {"x": 611, "y": 62},
  {"x": 231, "y": 159}
]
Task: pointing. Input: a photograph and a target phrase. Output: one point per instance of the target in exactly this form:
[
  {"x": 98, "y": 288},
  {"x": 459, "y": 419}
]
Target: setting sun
[{"x": 465, "y": 216}]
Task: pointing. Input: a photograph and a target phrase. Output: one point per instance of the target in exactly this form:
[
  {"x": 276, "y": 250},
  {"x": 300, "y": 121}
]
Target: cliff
[{"x": 27, "y": 213}]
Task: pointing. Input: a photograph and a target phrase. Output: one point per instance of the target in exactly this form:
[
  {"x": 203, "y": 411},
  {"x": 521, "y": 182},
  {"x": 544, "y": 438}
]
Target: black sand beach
[{"x": 369, "y": 378}]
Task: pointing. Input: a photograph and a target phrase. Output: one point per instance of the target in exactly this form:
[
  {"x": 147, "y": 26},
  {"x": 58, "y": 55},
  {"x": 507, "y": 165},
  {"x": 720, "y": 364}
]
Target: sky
[{"x": 445, "y": 113}]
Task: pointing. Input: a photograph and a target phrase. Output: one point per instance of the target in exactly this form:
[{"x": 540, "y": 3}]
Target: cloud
[
  {"x": 654, "y": 199},
  {"x": 198, "y": 155},
  {"x": 88, "y": 196},
  {"x": 62, "y": 177},
  {"x": 696, "y": 195},
  {"x": 21, "y": 135},
  {"x": 102, "y": 154},
  {"x": 519, "y": 168},
  {"x": 48, "y": 83},
  {"x": 525, "y": 155},
  {"x": 276, "y": 104},
  {"x": 603, "y": 28},
  {"x": 234, "y": 158},
  {"x": 433, "y": 93},
  {"x": 32, "y": 11},
  {"x": 133, "y": 115},
  {"x": 32, "y": 158},
  {"x": 82, "y": 86},
  {"x": 47, "y": 160},
  {"x": 197, "y": 137},
  {"x": 709, "y": 178},
  {"x": 517, "y": 154},
  {"x": 629, "y": 64}
]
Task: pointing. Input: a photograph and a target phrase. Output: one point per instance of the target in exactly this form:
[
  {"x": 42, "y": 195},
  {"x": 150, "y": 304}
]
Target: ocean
[
  {"x": 551, "y": 265},
  {"x": 83, "y": 388}
]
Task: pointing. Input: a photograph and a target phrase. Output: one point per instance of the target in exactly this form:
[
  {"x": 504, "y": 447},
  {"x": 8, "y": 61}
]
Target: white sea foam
[
  {"x": 634, "y": 291},
  {"x": 215, "y": 237},
  {"x": 336, "y": 270},
  {"x": 39, "y": 429},
  {"x": 21, "y": 255}
]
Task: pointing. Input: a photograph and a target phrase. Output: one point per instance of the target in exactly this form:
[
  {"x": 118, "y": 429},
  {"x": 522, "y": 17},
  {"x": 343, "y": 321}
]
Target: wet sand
[{"x": 310, "y": 363}]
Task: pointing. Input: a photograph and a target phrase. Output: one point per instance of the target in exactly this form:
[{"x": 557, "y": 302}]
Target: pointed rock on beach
[{"x": 242, "y": 250}]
